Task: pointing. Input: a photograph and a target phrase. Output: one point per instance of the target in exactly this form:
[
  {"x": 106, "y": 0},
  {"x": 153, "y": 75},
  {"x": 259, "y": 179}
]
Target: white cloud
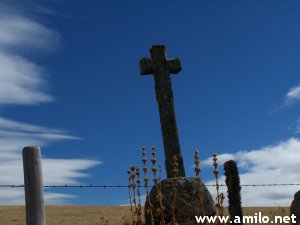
[
  {"x": 16, "y": 196},
  {"x": 22, "y": 32},
  {"x": 7, "y": 124},
  {"x": 278, "y": 163},
  {"x": 68, "y": 169},
  {"x": 293, "y": 95},
  {"x": 22, "y": 82},
  {"x": 56, "y": 198},
  {"x": 13, "y": 137}
]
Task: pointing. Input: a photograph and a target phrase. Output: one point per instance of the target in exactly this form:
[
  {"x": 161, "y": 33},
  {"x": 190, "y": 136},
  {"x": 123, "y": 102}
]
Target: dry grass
[
  {"x": 70, "y": 215},
  {"x": 100, "y": 215}
]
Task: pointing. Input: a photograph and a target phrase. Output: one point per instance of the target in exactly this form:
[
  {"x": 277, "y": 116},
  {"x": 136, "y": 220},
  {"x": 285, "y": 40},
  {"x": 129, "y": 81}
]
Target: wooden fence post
[{"x": 34, "y": 194}]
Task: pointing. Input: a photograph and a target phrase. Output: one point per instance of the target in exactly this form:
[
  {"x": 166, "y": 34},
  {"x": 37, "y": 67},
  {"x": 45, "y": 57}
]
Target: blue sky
[{"x": 70, "y": 83}]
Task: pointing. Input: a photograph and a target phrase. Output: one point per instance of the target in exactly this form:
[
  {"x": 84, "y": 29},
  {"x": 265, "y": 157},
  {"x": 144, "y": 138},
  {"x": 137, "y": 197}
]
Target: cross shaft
[{"x": 161, "y": 67}]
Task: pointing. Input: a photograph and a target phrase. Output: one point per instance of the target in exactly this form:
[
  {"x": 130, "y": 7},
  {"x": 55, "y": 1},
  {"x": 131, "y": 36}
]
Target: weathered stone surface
[
  {"x": 188, "y": 201},
  {"x": 161, "y": 68},
  {"x": 295, "y": 207}
]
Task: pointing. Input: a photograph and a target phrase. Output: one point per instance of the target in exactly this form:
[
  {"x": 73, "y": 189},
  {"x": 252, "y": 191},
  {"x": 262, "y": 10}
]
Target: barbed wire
[{"x": 126, "y": 186}]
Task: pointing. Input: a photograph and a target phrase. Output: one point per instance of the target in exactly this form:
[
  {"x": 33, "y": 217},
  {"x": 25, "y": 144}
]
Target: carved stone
[
  {"x": 161, "y": 67},
  {"x": 192, "y": 199}
]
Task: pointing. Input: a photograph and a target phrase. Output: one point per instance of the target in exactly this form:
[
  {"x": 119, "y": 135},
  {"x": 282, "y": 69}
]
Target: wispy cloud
[
  {"x": 9, "y": 196},
  {"x": 22, "y": 32},
  {"x": 55, "y": 171},
  {"x": 292, "y": 96},
  {"x": 13, "y": 137},
  {"x": 22, "y": 82},
  {"x": 30, "y": 7},
  {"x": 278, "y": 163}
]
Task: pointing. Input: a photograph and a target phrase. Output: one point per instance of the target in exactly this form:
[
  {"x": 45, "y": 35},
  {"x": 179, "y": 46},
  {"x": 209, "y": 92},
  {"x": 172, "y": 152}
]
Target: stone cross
[{"x": 161, "y": 67}]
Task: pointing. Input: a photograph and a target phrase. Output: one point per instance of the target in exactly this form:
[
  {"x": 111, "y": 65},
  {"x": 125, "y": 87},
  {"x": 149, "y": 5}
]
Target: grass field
[{"x": 99, "y": 215}]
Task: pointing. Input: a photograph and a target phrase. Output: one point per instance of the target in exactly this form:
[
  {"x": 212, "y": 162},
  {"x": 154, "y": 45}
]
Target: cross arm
[
  {"x": 147, "y": 66},
  {"x": 150, "y": 66},
  {"x": 174, "y": 65}
]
